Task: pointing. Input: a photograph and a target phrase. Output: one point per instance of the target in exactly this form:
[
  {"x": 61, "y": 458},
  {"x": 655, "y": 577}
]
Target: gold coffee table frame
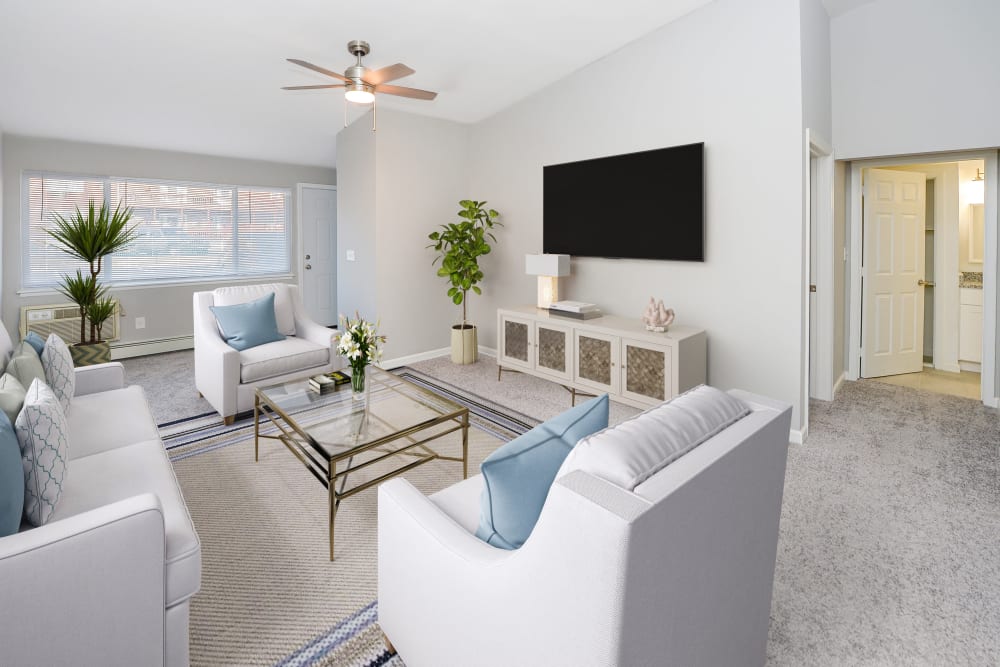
[{"x": 324, "y": 465}]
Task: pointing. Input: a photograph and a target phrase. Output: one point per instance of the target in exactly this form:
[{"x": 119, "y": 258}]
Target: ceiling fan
[{"x": 360, "y": 83}]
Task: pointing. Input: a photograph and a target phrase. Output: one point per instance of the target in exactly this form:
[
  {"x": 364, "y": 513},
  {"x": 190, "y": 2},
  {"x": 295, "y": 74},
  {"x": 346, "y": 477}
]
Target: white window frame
[{"x": 25, "y": 235}]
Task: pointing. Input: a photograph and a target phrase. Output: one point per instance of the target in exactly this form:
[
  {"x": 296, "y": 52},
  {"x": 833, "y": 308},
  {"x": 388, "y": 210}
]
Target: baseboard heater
[{"x": 139, "y": 348}]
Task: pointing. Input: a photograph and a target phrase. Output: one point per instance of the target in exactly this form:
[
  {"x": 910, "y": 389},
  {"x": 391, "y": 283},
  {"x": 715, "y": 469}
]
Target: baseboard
[
  {"x": 970, "y": 366},
  {"x": 798, "y": 437},
  {"x": 951, "y": 368},
  {"x": 143, "y": 347},
  {"x": 488, "y": 351},
  {"x": 992, "y": 402},
  {"x": 414, "y": 358},
  {"x": 837, "y": 384}
]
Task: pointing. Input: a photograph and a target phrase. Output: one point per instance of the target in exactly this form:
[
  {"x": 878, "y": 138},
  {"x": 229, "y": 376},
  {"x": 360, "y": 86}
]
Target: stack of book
[
  {"x": 576, "y": 309},
  {"x": 324, "y": 384}
]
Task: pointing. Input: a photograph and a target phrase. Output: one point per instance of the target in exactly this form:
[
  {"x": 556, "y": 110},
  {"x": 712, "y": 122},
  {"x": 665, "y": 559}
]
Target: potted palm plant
[
  {"x": 459, "y": 246},
  {"x": 90, "y": 237}
]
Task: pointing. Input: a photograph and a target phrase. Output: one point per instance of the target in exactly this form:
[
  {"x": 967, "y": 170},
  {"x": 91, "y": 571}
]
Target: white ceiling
[{"x": 204, "y": 76}]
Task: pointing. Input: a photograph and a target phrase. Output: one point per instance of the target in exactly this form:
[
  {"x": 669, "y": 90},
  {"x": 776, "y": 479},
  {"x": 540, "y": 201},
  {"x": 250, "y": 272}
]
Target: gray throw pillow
[
  {"x": 11, "y": 396},
  {"x": 26, "y": 365}
]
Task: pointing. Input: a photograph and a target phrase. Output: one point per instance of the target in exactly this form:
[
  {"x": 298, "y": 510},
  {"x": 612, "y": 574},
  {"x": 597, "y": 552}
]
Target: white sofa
[
  {"x": 676, "y": 572},
  {"x": 227, "y": 377},
  {"x": 109, "y": 578}
]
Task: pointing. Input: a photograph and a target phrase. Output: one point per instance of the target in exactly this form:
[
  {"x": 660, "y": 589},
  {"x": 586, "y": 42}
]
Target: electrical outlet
[
  {"x": 350, "y": 255},
  {"x": 140, "y": 323}
]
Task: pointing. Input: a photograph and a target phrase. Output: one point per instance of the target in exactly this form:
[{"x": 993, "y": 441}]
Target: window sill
[{"x": 153, "y": 284}]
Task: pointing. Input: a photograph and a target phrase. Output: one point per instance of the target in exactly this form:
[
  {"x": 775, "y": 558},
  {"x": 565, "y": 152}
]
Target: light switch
[
  {"x": 140, "y": 323},
  {"x": 350, "y": 255}
]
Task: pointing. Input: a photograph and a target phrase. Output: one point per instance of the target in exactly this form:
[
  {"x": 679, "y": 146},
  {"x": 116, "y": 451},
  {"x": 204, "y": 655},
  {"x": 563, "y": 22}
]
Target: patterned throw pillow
[
  {"x": 59, "y": 374},
  {"x": 42, "y": 435}
]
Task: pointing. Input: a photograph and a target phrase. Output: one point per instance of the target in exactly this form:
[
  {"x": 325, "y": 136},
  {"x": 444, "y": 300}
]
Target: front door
[
  {"x": 892, "y": 320},
  {"x": 318, "y": 278}
]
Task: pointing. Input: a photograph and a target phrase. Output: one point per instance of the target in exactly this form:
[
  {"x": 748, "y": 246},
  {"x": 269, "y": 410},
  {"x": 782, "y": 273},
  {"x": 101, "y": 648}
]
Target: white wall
[
  {"x": 727, "y": 74},
  {"x": 915, "y": 76},
  {"x": 168, "y": 310},
  {"x": 397, "y": 184},
  {"x": 817, "y": 114}
]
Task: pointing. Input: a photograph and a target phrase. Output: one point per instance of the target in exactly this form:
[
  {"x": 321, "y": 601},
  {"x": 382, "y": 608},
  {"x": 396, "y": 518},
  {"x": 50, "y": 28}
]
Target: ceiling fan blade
[
  {"x": 332, "y": 85},
  {"x": 386, "y": 74},
  {"x": 316, "y": 68},
  {"x": 403, "y": 91}
]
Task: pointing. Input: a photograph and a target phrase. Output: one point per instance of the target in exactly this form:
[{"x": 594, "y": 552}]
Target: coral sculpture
[{"x": 656, "y": 317}]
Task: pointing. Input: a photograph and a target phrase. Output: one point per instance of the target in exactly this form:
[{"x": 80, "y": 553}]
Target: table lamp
[{"x": 548, "y": 268}]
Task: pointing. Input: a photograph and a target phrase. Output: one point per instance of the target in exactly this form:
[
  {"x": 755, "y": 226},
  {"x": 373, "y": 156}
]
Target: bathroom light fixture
[
  {"x": 979, "y": 175},
  {"x": 548, "y": 268}
]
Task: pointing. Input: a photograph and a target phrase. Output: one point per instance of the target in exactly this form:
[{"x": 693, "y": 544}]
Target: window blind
[{"x": 186, "y": 231}]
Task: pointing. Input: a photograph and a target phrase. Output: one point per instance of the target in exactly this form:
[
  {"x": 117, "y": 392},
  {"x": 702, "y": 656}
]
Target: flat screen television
[{"x": 647, "y": 205}]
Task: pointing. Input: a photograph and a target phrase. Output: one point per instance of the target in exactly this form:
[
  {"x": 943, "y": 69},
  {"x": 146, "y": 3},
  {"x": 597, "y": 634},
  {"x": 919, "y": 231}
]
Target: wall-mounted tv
[{"x": 648, "y": 205}]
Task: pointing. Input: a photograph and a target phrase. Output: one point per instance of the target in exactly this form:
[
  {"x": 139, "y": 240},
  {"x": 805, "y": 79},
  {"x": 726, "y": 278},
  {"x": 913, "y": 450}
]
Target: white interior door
[
  {"x": 892, "y": 324},
  {"x": 318, "y": 258}
]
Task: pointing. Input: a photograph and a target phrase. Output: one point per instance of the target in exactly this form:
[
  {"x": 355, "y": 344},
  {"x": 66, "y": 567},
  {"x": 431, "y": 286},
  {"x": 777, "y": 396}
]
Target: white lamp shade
[{"x": 546, "y": 265}]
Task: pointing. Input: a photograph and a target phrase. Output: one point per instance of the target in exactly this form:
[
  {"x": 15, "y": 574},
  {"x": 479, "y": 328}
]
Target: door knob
[
  {"x": 308, "y": 266},
  {"x": 925, "y": 283},
  {"x": 308, "y": 257}
]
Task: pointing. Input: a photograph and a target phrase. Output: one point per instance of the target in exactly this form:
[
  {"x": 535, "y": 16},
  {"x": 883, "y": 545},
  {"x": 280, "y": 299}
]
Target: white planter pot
[{"x": 464, "y": 346}]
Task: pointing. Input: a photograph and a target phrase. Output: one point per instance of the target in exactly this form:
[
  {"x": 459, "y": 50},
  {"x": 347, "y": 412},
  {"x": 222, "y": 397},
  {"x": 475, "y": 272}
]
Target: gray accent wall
[{"x": 167, "y": 309}]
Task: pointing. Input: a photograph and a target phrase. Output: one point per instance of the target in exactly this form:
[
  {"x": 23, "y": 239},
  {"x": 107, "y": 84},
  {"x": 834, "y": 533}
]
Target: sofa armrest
[
  {"x": 99, "y": 377},
  {"x": 88, "y": 589}
]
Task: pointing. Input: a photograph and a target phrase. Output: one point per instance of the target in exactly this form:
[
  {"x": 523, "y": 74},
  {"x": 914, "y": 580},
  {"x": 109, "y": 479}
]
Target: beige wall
[
  {"x": 841, "y": 202},
  {"x": 396, "y": 186},
  {"x": 167, "y": 309}
]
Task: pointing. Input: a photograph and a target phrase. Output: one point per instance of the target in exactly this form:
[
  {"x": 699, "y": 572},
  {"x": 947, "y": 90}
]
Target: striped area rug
[{"x": 270, "y": 595}]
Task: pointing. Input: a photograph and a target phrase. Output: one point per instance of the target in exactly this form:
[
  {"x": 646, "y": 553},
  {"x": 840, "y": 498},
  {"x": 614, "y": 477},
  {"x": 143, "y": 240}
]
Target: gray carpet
[
  {"x": 888, "y": 551},
  {"x": 169, "y": 383}
]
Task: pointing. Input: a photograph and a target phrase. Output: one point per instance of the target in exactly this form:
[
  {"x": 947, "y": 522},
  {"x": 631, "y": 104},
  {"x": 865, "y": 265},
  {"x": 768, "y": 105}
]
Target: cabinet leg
[{"x": 388, "y": 644}]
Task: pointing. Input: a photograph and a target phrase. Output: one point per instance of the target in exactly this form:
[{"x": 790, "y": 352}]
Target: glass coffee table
[{"x": 337, "y": 434}]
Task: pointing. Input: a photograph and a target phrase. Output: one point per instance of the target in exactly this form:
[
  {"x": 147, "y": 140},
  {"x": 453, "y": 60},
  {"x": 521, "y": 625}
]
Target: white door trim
[
  {"x": 989, "y": 365},
  {"x": 299, "y": 262},
  {"x": 821, "y": 151}
]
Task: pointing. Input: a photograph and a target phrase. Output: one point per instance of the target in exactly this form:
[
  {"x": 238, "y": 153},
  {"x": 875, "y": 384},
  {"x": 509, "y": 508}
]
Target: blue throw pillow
[
  {"x": 249, "y": 324},
  {"x": 11, "y": 479},
  {"x": 517, "y": 476},
  {"x": 35, "y": 341}
]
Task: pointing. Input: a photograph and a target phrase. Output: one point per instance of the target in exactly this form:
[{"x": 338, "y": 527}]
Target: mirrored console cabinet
[{"x": 614, "y": 355}]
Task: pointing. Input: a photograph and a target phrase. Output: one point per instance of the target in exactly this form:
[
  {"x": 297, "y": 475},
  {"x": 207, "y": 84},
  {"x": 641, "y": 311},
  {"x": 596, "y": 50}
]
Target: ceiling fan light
[{"x": 359, "y": 93}]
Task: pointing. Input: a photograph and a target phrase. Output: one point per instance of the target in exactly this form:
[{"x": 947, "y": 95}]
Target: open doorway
[{"x": 917, "y": 308}]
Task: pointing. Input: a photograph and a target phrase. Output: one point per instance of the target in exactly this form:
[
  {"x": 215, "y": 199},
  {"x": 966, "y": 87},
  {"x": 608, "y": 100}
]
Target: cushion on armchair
[
  {"x": 284, "y": 313},
  {"x": 517, "y": 476},
  {"x": 630, "y": 452},
  {"x": 249, "y": 324}
]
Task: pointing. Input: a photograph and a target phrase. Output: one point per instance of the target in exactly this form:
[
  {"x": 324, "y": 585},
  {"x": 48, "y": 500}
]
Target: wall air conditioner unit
[{"x": 63, "y": 319}]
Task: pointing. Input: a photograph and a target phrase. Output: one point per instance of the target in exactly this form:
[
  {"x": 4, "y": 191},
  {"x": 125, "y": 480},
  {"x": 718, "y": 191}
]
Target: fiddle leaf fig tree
[{"x": 460, "y": 245}]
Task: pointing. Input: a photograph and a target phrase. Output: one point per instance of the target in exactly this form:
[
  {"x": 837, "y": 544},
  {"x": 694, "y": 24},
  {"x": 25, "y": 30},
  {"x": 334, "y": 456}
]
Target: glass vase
[{"x": 358, "y": 382}]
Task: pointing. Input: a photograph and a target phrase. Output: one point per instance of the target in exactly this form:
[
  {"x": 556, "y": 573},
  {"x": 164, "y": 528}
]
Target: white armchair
[
  {"x": 677, "y": 571},
  {"x": 227, "y": 377}
]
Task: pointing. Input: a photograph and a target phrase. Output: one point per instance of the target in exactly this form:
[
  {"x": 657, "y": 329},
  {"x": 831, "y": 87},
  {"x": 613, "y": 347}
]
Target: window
[{"x": 186, "y": 231}]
